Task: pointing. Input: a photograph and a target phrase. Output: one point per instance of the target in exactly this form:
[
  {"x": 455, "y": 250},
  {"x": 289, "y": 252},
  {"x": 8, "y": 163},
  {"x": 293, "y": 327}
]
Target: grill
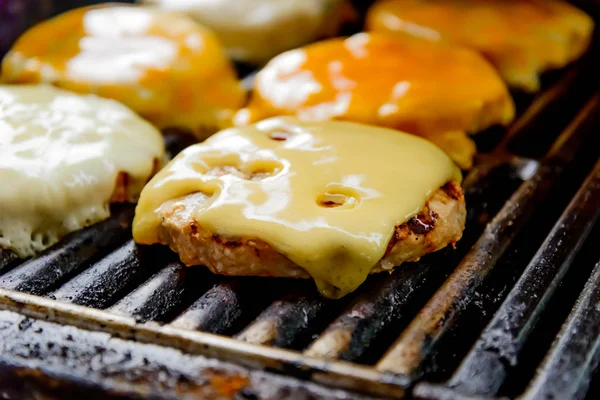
[{"x": 512, "y": 312}]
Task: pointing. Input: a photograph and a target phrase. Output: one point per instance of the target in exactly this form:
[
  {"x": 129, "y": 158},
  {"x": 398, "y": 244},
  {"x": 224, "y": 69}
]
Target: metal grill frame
[{"x": 250, "y": 366}]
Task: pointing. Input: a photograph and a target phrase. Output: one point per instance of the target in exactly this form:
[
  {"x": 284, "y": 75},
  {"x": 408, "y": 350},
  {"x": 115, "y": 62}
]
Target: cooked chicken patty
[
  {"x": 291, "y": 198},
  {"x": 439, "y": 223}
]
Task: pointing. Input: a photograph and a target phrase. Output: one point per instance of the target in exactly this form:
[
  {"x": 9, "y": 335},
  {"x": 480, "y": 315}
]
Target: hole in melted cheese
[
  {"x": 262, "y": 169},
  {"x": 337, "y": 200},
  {"x": 280, "y": 135}
]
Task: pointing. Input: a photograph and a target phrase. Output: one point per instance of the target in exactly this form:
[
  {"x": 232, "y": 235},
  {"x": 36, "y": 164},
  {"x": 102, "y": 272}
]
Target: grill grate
[
  {"x": 475, "y": 322},
  {"x": 567, "y": 370}
]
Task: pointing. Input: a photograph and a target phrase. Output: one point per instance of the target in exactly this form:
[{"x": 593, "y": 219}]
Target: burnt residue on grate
[
  {"x": 226, "y": 307},
  {"x": 164, "y": 294},
  {"x": 92, "y": 364},
  {"x": 8, "y": 259},
  {"x": 290, "y": 321},
  {"x": 567, "y": 370},
  {"x": 74, "y": 253},
  {"x": 362, "y": 330}
]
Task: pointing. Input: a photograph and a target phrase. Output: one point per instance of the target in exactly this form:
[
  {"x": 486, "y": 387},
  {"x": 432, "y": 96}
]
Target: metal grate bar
[
  {"x": 545, "y": 106},
  {"x": 386, "y": 303},
  {"x": 222, "y": 309},
  {"x": 567, "y": 369},
  {"x": 429, "y": 391},
  {"x": 165, "y": 293},
  {"x": 417, "y": 341},
  {"x": 79, "y": 364},
  {"x": 499, "y": 346},
  {"x": 440, "y": 313},
  {"x": 76, "y": 251},
  {"x": 343, "y": 375},
  {"x": 113, "y": 276},
  {"x": 284, "y": 324},
  {"x": 360, "y": 331},
  {"x": 288, "y": 321}
]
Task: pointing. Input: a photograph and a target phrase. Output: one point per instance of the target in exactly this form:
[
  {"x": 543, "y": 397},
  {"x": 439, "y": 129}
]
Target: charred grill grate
[{"x": 476, "y": 322}]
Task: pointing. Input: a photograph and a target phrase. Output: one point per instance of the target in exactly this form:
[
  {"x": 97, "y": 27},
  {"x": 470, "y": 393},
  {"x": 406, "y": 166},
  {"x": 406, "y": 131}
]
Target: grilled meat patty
[
  {"x": 291, "y": 198},
  {"x": 439, "y": 223}
]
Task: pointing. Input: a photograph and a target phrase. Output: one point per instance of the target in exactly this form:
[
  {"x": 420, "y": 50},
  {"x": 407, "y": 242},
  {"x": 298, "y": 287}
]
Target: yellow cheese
[
  {"x": 380, "y": 178},
  {"x": 60, "y": 157},
  {"x": 522, "y": 38},
  {"x": 424, "y": 88},
  {"x": 162, "y": 65}
]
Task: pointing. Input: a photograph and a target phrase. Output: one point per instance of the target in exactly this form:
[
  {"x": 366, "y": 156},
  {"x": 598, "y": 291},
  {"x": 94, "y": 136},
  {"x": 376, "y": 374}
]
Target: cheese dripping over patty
[{"x": 326, "y": 195}]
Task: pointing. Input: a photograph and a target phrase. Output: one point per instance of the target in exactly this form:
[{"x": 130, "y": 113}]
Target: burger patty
[{"x": 439, "y": 223}]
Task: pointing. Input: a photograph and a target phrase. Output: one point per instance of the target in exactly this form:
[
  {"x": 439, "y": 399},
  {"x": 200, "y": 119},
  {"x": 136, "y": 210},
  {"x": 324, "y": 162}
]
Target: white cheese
[
  {"x": 256, "y": 30},
  {"x": 60, "y": 156}
]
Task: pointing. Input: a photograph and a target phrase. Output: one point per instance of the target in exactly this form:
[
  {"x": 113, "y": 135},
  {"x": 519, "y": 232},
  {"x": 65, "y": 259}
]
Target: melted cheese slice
[
  {"x": 162, "y": 65},
  {"x": 256, "y": 30},
  {"x": 436, "y": 91},
  {"x": 380, "y": 177},
  {"x": 520, "y": 37},
  {"x": 60, "y": 156}
]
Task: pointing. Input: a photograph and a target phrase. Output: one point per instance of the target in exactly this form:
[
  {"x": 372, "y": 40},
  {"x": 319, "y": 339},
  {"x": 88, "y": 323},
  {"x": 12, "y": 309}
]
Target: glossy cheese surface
[
  {"x": 326, "y": 195},
  {"x": 60, "y": 157},
  {"x": 520, "y": 37},
  {"x": 405, "y": 83},
  {"x": 162, "y": 65},
  {"x": 256, "y": 30}
]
